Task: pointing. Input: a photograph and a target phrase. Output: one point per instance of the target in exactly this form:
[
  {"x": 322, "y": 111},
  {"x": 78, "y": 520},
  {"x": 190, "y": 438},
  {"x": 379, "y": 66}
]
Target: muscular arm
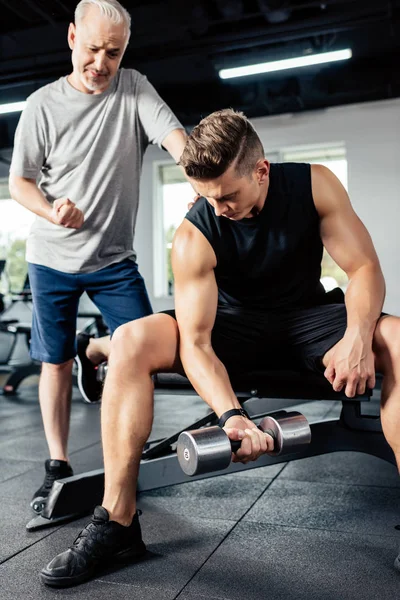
[
  {"x": 350, "y": 364},
  {"x": 196, "y": 296},
  {"x": 350, "y": 245}
]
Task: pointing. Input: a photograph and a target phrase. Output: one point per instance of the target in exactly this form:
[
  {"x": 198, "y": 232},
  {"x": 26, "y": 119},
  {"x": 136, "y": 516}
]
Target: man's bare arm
[
  {"x": 62, "y": 212},
  {"x": 350, "y": 365},
  {"x": 196, "y": 298},
  {"x": 175, "y": 142},
  {"x": 350, "y": 245},
  {"x": 25, "y": 192}
]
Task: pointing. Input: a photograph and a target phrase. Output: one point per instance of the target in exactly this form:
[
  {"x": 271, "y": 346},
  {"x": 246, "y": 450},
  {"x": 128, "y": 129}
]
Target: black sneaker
[
  {"x": 55, "y": 469},
  {"x": 88, "y": 384},
  {"x": 101, "y": 543}
]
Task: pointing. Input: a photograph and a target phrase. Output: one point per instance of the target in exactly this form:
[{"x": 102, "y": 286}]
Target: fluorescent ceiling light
[
  {"x": 12, "y": 107},
  {"x": 289, "y": 63}
]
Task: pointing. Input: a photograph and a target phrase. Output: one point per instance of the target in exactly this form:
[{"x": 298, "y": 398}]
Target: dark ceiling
[{"x": 181, "y": 44}]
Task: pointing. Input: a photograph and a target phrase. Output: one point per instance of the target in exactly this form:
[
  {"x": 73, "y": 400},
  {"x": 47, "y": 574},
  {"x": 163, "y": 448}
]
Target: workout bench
[{"x": 260, "y": 394}]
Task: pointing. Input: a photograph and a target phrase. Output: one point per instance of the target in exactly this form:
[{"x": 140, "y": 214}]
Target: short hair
[
  {"x": 111, "y": 9},
  {"x": 221, "y": 139}
]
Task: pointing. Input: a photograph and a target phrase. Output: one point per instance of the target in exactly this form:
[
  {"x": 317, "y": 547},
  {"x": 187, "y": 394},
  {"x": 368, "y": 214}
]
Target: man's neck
[
  {"x": 77, "y": 84},
  {"x": 263, "y": 198}
]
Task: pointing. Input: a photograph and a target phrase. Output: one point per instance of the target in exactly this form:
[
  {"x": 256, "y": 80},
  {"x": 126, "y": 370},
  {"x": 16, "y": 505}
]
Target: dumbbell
[{"x": 210, "y": 449}]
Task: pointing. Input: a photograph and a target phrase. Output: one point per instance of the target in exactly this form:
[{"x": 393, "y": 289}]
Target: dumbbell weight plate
[
  {"x": 211, "y": 451},
  {"x": 291, "y": 431}
]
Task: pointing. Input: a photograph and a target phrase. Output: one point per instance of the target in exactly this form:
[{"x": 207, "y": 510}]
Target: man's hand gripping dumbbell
[
  {"x": 210, "y": 449},
  {"x": 251, "y": 441}
]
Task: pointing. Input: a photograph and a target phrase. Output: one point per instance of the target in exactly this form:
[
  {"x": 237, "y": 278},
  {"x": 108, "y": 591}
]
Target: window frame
[{"x": 160, "y": 280}]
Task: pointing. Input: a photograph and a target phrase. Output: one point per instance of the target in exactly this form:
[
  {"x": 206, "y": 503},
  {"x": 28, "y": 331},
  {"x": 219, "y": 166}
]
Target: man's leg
[
  {"x": 119, "y": 292},
  {"x": 138, "y": 350},
  {"x": 55, "y": 389},
  {"x": 386, "y": 348},
  {"x": 55, "y": 302}
]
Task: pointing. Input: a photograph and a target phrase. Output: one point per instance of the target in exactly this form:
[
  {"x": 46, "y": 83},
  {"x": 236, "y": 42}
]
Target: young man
[
  {"x": 76, "y": 164},
  {"x": 247, "y": 271}
]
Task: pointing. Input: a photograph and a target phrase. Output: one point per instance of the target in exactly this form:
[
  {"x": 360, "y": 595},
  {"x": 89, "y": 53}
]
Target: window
[
  {"x": 333, "y": 157},
  {"x": 175, "y": 193},
  {"x": 15, "y": 224}
]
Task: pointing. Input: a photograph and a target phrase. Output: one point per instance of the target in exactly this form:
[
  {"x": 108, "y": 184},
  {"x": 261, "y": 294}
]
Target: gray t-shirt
[{"x": 89, "y": 148}]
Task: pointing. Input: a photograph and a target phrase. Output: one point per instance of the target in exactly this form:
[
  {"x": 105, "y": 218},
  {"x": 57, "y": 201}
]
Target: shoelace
[
  {"x": 85, "y": 535},
  {"x": 89, "y": 541},
  {"x": 82, "y": 535},
  {"x": 49, "y": 479}
]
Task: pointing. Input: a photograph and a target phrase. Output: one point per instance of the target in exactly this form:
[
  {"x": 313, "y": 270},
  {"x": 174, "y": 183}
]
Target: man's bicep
[
  {"x": 196, "y": 301},
  {"x": 196, "y": 292}
]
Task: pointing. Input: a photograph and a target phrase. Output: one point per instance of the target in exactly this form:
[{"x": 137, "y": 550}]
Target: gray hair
[{"x": 111, "y": 9}]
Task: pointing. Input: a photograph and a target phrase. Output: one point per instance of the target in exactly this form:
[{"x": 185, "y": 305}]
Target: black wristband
[{"x": 240, "y": 412}]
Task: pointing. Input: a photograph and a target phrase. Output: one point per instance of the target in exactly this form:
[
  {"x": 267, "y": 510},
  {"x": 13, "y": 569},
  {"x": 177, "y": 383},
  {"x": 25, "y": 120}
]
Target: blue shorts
[{"x": 118, "y": 291}]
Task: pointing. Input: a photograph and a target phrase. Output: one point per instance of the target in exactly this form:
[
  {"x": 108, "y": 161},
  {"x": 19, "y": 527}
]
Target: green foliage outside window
[
  {"x": 331, "y": 269},
  {"x": 169, "y": 236}
]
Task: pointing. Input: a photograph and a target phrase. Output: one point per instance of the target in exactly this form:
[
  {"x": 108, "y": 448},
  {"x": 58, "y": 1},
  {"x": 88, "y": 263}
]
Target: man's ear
[
  {"x": 71, "y": 35},
  {"x": 262, "y": 171}
]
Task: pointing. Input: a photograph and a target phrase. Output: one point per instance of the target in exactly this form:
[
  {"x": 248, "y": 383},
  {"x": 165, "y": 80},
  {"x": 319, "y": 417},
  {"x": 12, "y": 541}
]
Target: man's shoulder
[
  {"x": 202, "y": 216},
  {"x": 202, "y": 213},
  {"x": 39, "y": 97},
  {"x": 291, "y": 176},
  {"x": 192, "y": 246},
  {"x": 131, "y": 77},
  {"x": 200, "y": 207},
  {"x": 290, "y": 167}
]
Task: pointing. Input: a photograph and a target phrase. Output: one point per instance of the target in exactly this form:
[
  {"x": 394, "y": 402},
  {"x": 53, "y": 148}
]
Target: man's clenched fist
[{"x": 66, "y": 214}]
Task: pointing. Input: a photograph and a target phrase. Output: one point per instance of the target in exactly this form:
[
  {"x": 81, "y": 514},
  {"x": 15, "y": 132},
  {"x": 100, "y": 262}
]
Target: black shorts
[{"x": 296, "y": 339}]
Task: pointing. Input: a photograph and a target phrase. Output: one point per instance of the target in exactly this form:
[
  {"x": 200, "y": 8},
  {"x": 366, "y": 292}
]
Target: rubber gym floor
[{"x": 322, "y": 528}]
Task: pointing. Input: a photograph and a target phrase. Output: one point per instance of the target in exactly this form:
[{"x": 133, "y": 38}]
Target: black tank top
[{"x": 273, "y": 260}]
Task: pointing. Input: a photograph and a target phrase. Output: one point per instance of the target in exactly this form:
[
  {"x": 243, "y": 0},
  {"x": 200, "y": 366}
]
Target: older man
[{"x": 77, "y": 159}]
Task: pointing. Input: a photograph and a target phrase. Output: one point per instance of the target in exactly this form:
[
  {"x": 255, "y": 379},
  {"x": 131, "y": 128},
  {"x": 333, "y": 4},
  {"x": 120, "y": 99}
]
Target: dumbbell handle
[{"x": 236, "y": 444}]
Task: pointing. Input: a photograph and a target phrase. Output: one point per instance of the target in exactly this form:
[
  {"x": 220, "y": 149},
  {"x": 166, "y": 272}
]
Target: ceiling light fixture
[
  {"x": 289, "y": 63},
  {"x": 12, "y": 107}
]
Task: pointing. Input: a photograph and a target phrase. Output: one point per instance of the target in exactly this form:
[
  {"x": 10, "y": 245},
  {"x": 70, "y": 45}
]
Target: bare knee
[
  {"x": 59, "y": 369},
  {"x": 150, "y": 343},
  {"x": 128, "y": 341},
  {"x": 387, "y": 344}
]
